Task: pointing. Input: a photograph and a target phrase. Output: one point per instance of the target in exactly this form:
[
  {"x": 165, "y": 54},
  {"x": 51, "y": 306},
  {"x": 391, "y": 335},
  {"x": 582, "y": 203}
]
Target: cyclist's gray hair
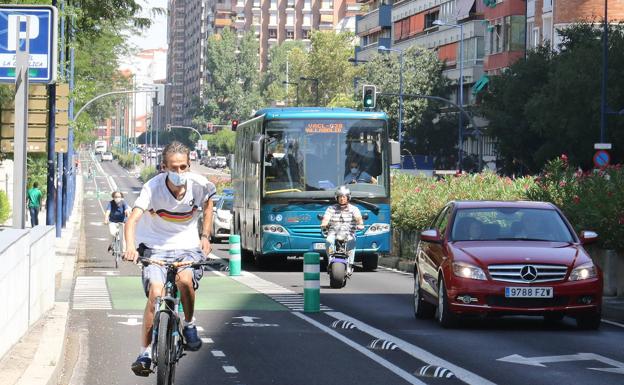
[{"x": 175, "y": 147}]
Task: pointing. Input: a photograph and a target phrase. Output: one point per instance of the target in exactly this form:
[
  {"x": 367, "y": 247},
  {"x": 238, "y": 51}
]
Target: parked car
[
  {"x": 213, "y": 162},
  {"x": 193, "y": 155},
  {"x": 107, "y": 156},
  {"x": 500, "y": 258},
  {"x": 221, "y": 161},
  {"x": 222, "y": 218}
]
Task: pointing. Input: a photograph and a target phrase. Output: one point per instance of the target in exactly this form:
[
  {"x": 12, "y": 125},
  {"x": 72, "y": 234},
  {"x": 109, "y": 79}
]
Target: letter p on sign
[{"x": 17, "y": 25}]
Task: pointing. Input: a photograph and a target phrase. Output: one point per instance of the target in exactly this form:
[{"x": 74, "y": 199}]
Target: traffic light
[
  {"x": 234, "y": 124},
  {"x": 369, "y": 96}
]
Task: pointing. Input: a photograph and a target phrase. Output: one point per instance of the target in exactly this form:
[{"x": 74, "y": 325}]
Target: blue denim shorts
[{"x": 155, "y": 273}]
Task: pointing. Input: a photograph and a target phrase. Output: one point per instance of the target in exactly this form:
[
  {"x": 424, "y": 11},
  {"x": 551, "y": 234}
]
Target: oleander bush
[
  {"x": 221, "y": 183},
  {"x": 148, "y": 173},
  {"x": 416, "y": 200},
  {"x": 130, "y": 160},
  {"x": 5, "y": 209},
  {"x": 592, "y": 200}
]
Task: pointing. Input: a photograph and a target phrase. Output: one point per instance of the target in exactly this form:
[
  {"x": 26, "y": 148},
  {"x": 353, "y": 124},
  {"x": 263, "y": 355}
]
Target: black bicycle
[{"x": 167, "y": 343}]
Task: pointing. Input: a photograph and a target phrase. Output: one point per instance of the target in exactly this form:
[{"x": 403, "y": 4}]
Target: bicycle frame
[{"x": 168, "y": 303}]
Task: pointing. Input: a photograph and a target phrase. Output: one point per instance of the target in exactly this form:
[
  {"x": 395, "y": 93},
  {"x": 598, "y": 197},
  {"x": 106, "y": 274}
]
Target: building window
[
  {"x": 431, "y": 17},
  {"x": 447, "y": 11},
  {"x": 290, "y": 34},
  {"x": 507, "y": 34},
  {"x": 327, "y": 4},
  {"x": 305, "y": 34},
  {"x": 290, "y": 4},
  {"x": 536, "y": 37},
  {"x": 306, "y": 4},
  {"x": 272, "y": 33}
]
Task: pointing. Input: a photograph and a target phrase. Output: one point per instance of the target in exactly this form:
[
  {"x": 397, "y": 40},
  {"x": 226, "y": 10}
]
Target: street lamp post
[
  {"x": 316, "y": 86},
  {"x": 603, "y": 93},
  {"x": 460, "y": 94},
  {"x": 297, "y": 91},
  {"x": 381, "y": 48}
]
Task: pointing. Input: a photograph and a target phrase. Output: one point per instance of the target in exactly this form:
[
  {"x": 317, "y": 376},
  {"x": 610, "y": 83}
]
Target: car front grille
[
  {"x": 526, "y": 303},
  {"x": 518, "y": 273}
]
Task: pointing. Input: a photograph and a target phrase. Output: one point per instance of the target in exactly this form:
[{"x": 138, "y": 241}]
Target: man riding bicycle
[
  {"x": 343, "y": 212},
  {"x": 117, "y": 212},
  {"x": 168, "y": 231}
]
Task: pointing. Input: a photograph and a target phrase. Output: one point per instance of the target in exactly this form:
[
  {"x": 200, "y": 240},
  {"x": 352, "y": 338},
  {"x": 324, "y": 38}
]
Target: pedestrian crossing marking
[
  {"x": 285, "y": 297},
  {"x": 91, "y": 293}
]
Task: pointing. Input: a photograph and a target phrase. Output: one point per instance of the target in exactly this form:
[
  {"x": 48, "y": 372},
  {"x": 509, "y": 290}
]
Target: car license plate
[
  {"x": 319, "y": 246},
  {"x": 528, "y": 292}
]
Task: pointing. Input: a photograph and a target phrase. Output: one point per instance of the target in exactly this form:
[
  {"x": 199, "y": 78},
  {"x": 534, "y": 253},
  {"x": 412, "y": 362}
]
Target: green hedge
[
  {"x": 590, "y": 200},
  {"x": 128, "y": 161},
  {"x": 416, "y": 200},
  {"x": 148, "y": 173},
  {"x": 5, "y": 209}
]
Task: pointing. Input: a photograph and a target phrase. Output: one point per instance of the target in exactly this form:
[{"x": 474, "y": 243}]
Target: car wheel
[
  {"x": 422, "y": 308},
  {"x": 370, "y": 262},
  {"x": 589, "y": 321},
  {"x": 445, "y": 316}
]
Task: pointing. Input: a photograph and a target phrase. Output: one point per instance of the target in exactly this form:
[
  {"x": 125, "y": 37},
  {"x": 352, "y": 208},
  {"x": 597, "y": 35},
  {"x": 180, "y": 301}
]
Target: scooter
[{"x": 338, "y": 255}]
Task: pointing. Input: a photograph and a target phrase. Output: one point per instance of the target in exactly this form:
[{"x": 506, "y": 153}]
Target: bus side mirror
[
  {"x": 395, "y": 152},
  {"x": 256, "y": 148}
]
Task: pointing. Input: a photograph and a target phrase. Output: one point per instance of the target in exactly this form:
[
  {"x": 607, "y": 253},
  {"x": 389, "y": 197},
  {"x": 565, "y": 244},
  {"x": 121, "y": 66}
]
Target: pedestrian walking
[{"x": 34, "y": 203}]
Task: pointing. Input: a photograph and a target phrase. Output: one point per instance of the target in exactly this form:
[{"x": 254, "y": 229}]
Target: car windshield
[
  {"x": 310, "y": 158},
  {"x": 510, "y": 224},
  {"x": 227, "y": 204}
]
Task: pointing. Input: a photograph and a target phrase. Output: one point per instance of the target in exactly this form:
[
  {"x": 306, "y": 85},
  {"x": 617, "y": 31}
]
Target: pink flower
[
  {"x": 417, "y": 189},
  {"x": 562, "y": 183},
  {"x": 433, "y": 186},
  {"x": 564, "y": 158},
  {"x": 576, "y": 199}
]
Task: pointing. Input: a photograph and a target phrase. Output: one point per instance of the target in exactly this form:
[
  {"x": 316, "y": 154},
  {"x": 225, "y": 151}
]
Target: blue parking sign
[{"x": 42, "y": 25}]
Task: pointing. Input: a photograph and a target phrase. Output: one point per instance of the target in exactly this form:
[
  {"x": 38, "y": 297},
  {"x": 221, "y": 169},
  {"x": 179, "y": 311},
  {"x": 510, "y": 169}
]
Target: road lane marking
[
  {"x": 207, "y": 340},
  {"x": 230, "y": 369},
  {"x": 617, "y": 366},
  {"x": 91, "y": 293},
  {"x": 613, "y": 323},
  {"x": 415, "y": 351},
  {"x": 381, "y": 361},
  {"x": 217, "y": 353}
]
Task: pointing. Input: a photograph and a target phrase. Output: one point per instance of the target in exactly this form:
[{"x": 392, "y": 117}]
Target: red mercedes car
[{"x": 505, "y": 258}]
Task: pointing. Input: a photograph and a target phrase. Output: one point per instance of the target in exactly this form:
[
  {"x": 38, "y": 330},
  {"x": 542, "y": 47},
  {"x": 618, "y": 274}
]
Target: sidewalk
[{"x": 36, "y": 359}]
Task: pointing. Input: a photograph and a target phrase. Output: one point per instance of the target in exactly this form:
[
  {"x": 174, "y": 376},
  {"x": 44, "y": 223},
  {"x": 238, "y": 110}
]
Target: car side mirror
[
  {"x": 256, "y": 148},
  {"x": 431, "y": 235},
  {"x": 588, "y": 237}
]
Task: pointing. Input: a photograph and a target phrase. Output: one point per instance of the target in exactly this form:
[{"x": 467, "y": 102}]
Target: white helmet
[{"x": 343, "y": 191}]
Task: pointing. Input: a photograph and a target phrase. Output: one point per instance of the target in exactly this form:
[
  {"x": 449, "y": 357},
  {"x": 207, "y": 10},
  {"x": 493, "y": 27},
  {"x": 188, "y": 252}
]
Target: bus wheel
[
  {"x": 246, "y": 255},
  {"x": 370, "y": 262},
  {"x": 261, "y": 261}
]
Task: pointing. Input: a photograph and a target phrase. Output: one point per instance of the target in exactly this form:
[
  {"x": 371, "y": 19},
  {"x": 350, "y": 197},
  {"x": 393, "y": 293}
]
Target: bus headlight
[
  {"x": 274, "y": 229},
  {"x": 377, "y": 228}
]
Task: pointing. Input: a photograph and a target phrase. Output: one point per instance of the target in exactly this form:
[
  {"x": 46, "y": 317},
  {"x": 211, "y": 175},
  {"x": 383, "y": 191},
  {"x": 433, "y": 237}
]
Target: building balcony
[
  {"x": 223, "y": 6},
  {"x": 374, "y": 21},
  {"x": 240, "y": 7},
  {"x": 369, "y": 51}
]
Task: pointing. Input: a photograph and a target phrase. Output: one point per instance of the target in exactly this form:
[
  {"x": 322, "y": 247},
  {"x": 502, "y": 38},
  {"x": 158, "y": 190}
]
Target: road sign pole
[
  {"x": 311, "y": 283},
  {"x": 19, "y": 132},
  {"x": 59, "y": 194},
  {"x": 235, "y": 255}
]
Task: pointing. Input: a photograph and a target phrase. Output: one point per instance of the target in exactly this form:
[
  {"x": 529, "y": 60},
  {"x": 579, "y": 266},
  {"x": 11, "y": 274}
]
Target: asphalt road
[{"x": 255, "y": 333}]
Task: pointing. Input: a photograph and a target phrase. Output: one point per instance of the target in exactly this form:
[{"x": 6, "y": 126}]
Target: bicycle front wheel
[{"x": 164, "y": 350}]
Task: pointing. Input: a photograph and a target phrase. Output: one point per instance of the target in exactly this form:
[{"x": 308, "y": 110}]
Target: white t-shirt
[{"x": 168, "y": 223}]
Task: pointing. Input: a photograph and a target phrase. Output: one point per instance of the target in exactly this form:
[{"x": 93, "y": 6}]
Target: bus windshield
[{"x": 305, "y": 158}]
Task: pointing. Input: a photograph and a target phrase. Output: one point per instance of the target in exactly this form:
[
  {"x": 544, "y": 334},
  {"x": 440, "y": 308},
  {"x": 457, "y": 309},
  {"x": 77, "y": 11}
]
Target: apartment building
[
  {"x": 276, "y": 21},
  {"x": 174, "y": 99}
]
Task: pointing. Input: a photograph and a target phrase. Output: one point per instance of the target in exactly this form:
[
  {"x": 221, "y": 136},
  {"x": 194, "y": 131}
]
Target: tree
[
  {"x": 328, "y": 61},
  {"x": 550, "y": 103},
  {"x": 232, "y": 91},
  {"x": 273, "y": 89},
  {"x": 222, "y": 141},
  {"x": 425, "y": 131}
]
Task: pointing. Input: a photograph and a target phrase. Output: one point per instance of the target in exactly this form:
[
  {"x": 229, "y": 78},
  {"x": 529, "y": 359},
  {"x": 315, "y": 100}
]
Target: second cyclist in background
[{"x": 117, "y": 212}]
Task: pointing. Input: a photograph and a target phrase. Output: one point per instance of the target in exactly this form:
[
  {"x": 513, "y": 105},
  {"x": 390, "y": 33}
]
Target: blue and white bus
[{"x": 287, "y": 164}]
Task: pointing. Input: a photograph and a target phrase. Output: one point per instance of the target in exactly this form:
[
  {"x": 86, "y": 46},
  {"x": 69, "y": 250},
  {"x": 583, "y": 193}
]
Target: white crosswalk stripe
[
  {"x": 91, "y": 293},
  {"x": 288, "y": 298}
]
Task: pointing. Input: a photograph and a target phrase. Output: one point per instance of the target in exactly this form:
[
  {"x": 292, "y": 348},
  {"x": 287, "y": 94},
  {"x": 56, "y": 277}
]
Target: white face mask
[
  {"x": 118, "y": 200},
  {"x": 178, "y": 179},
  {"x": 354, "y": 170}
]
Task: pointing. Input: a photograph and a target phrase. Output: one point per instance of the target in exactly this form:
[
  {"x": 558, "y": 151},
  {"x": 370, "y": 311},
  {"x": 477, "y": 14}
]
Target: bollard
[
  {"x": 235, "y": 255},
  {"x": 311, "y": 283}
]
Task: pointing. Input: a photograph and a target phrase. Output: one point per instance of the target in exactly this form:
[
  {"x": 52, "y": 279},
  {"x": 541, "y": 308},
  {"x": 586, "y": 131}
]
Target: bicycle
[
  {"x": 167, "y": 344},
  {"x": 116, "y": 246}
]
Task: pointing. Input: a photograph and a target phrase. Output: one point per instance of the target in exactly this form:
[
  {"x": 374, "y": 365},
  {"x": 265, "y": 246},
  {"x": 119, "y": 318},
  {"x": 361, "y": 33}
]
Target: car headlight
[
  {"x": 274, "y": 229},
  {"x": 223, "y": 219},
  {"x": 584, "y": 271},
  {"x": 377, "y": 228},
  {"x": 466, "y": 270}
]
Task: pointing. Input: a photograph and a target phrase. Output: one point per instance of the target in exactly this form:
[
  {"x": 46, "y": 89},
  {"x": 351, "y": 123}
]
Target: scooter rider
[{"x": 342, "y": 212}]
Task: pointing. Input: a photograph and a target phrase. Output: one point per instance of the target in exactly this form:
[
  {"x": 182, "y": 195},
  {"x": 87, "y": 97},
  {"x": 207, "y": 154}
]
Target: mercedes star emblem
[{"x": 528, "y": 273}]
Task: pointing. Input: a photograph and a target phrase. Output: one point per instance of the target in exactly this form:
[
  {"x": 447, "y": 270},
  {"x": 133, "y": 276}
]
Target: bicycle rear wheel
[
  {"x": 117, "y": 250},
  {"x": 164, "y": 350}
]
